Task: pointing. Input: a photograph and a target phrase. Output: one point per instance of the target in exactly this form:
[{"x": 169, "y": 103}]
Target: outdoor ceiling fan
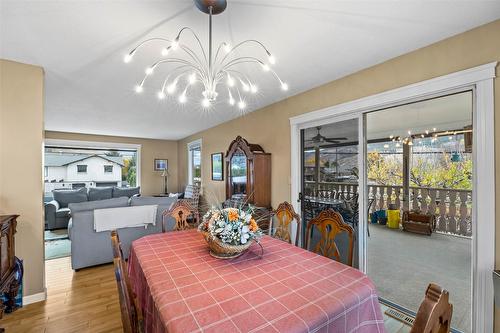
[{"x": 318, "y": 138}]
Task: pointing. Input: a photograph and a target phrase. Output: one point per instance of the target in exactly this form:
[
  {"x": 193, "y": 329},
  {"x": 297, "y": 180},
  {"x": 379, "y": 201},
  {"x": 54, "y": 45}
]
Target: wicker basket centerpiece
[{"x": 229, "y": 232}]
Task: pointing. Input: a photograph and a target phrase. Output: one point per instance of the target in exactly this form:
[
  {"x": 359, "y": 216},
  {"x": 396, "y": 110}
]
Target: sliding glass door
[{"x": 330, "y": 180}]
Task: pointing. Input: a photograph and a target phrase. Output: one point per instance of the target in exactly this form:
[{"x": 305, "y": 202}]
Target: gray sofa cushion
[
  {"x": 163, "y": 203},
  {"x": 100, "y": 204},
  {"x": 65, "y": 197},
  {"x": 100, "y": 193},
  {"x": 126, "y": 191},
  {"x": 63, "y": 212}
]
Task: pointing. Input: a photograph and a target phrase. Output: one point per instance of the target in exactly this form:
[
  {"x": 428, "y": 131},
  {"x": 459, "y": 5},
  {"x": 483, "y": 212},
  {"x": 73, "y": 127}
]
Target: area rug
[
  {"x": 56, "y": 234},
  {"x": 57, "y": 249}
]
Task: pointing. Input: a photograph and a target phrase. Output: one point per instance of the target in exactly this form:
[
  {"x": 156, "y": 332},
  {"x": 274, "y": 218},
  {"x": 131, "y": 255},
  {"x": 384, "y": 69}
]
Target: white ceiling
[{"x": 89, "y": 89}]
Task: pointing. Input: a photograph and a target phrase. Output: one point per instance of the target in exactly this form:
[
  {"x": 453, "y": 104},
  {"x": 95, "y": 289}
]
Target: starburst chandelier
[{"x": 188, "y": 66}]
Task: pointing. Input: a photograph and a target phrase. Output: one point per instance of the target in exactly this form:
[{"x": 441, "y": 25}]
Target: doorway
[
  {"x": 479, "y": 80},
  {"x": 419, "y": 187}
]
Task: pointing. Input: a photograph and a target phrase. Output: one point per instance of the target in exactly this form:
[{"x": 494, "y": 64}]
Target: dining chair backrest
[
  {"x": 330, "y": 226},
  {"x": 192, "y": 195},
  {"x": 281, "y": 223},
  {"x": 180, "y": 211},
  {"x": 434, "y": 313},
  {"x": 130, "y": 311}
]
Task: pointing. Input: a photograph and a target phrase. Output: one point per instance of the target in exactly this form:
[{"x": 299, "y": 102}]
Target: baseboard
[{"x": 35, "y": 298}]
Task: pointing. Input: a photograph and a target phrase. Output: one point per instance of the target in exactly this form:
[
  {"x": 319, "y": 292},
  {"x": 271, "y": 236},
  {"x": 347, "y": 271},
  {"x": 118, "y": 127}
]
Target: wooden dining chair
[
  {"x": 330, "y": 225},
  {"x": 434, "y": 314},
  {"x": 284, "y": 216},
  {"x": 181, "y": 210},
  {"x": 130, "y": 311}
]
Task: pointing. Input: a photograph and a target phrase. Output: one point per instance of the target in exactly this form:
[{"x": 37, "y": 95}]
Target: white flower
[
  {"x": 245, "y": 229},
  {"x": 248, "y": 218},
  {"x": 243, "y": 239}
]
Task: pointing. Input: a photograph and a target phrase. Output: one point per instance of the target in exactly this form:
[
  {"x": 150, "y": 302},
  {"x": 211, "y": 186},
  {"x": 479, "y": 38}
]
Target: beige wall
[
  {"x": 151, "y": 181},
  {"x": 21, "y": 139},
  {"x": 270, "y": 127}
]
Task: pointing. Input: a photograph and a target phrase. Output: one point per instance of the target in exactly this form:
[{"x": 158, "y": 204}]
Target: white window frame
[
  {"x": 100, "y": 145},
  {"x": 190, "y": 146},
  {"x": 480, "y": 79}
]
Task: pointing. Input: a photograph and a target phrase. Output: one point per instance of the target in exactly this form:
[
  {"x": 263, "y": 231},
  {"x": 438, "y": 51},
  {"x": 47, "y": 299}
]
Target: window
[
  {"x": 81, "y": 168},
  {"x": 108, "y": 169},
  {"x": 194, "y": 162}
]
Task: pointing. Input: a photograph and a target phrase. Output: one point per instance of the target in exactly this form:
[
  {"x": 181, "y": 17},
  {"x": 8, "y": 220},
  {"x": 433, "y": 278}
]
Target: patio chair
[{"x": 435, "y": 312}]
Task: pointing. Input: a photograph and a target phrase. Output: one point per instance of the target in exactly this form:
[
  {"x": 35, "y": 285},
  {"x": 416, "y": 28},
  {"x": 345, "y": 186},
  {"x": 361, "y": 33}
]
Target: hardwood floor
[
  {"x": 87, "y": 301},
  {"x": 84, "y": 301}
]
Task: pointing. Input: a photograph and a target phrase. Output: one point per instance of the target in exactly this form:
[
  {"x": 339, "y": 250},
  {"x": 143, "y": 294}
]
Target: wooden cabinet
[
  {"x": 8, "y": 283},
  {"x": 248, "y": 173}
]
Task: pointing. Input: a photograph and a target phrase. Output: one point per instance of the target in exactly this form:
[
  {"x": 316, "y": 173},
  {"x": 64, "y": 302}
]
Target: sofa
[
  {"x": 57, "y": 213},
  {"x": 90, "y": 248}
]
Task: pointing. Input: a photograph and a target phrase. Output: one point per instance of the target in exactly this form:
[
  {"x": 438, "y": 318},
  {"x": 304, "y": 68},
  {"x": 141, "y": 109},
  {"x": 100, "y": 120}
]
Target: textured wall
[{"x": 21, "y": 177}]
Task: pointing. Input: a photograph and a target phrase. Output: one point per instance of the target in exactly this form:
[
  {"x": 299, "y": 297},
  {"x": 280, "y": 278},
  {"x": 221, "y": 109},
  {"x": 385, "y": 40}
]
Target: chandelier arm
[
  {"x": 243, "y": 43},
  {"x": 218, "y": 50},
  {"x": 131, "y": 53},
  {"x": 181, "y": 61},
  {"x": 171, "y": 60},
  {"x": 192, "y": 55},
  {"x": 170, "y": 74},
  {"x": 197, "y": 39},
  {"x": 256, "y": 61},
  {"x": 240, "y": 60}
]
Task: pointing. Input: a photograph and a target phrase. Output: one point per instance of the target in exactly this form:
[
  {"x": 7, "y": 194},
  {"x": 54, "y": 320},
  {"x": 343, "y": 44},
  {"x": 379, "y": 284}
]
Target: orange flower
[
  {"x": 232, "y": 215},
  {"x": 253, "y": 225}
]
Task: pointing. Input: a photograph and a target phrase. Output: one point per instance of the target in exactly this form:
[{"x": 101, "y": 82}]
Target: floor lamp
[{"x": 164, "y": 174}]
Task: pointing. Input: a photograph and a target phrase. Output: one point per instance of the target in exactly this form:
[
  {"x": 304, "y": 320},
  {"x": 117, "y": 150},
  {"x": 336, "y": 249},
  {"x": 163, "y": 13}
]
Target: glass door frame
[{"x": 480, "y": 80}]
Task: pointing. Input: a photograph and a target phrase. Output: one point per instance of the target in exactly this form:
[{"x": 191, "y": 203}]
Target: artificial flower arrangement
[{"x": 229, "y": 231}]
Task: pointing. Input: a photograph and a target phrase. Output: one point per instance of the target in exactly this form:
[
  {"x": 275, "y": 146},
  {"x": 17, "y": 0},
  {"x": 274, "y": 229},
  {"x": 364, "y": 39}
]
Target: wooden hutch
[
  {"x": 8, "y": 283},
  {"x": 248, "y": 177}
]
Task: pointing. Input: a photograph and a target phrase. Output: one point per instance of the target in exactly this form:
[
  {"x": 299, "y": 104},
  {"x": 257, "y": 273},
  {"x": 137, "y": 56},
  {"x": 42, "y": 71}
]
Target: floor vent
[{"x": 398, "y": 315}]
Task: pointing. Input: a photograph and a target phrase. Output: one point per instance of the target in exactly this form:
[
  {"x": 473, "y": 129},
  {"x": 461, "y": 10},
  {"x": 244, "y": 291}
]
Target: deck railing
[{"x": 452, "y": 208}]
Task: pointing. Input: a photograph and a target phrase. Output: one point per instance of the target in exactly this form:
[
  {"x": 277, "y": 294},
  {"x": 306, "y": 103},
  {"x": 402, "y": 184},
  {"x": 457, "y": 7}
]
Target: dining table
[{"x": 180, "y": 287}]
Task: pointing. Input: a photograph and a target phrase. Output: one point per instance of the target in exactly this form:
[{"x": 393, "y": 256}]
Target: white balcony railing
[{"x": 452, "y": 208}]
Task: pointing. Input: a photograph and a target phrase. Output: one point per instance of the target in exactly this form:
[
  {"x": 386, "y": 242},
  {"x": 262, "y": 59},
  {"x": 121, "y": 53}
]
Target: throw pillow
[
  {"x": 65, "y": 197},
  {"x": 100, "y": 193},
  {"x": 126, "y": 191}
]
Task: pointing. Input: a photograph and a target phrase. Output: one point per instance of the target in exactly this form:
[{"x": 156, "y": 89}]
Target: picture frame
[
  {"x": 217, "y": 162},
  {"x": 160, "y": 164}
]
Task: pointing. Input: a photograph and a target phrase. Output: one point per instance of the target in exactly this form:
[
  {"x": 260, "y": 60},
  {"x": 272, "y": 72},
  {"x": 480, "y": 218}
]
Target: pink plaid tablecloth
[{"x": 181, "y": 288}]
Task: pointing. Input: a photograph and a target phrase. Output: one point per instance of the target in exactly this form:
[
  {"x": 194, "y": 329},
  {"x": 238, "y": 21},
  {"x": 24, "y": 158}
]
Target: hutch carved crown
[{"x": 248, "y": 173}]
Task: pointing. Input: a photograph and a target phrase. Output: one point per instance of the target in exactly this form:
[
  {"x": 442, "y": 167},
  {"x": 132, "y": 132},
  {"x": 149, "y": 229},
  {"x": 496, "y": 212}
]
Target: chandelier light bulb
[
  {"x": 205, "y": 103},
  {"x": 182, "y": 98},
  {"x": 284, "y": 86},
  {"x": 171, "y": 88},
  {"x": 253, "y": 88},
  {"x": 161, "y": 95},
  {"x": 391, "y": 136},
  {"x": 242, "y": 104},
  {"x": 265, "y": 68},
  {"x": 138, "y": 89},
  {"x": 149, "y": 70},
  {"x": 231, "y": 101},
  {"x": 192, "y": 78},
  {"x": 127, "y": 58},
  {"x": 434, "y": 129},
  {"x": 227, "y": 47},
  {"x": 230, "y": 81},
  {"x": 245, "y": 86},
  {"x": 272, "y": 59},
  {"x": 164, "y": 52},
  {"x": 175, "y": 44}
]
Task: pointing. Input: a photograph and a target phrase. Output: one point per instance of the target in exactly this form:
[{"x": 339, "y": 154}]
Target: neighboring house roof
[{"x": 57, "y": 160}]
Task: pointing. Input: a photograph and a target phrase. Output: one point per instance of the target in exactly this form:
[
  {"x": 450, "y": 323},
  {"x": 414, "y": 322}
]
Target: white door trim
[{"x": 480, "y": 78}]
